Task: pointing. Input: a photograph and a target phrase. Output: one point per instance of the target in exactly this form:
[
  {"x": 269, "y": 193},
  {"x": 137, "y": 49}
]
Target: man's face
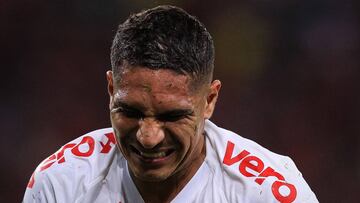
[{"x": 158, "y": 121}]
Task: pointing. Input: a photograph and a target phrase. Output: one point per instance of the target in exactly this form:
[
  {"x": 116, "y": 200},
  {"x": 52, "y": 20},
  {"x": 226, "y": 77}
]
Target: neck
[{"x": 166, "y": 190}]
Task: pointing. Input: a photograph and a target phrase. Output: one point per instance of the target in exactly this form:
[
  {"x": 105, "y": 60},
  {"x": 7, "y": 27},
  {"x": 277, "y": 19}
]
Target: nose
[{"x": 150, "y": 133}]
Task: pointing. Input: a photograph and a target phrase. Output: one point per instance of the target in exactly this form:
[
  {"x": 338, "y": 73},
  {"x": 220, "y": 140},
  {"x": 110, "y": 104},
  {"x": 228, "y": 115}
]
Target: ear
[
  {"x": 110, "y": 86},
  {"x": 212, "y": 98}
]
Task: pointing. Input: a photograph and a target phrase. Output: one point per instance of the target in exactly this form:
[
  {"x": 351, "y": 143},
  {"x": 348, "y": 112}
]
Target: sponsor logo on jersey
[
  {"x": 252, "y": 166},
  {"x": 84, "y": 148}
]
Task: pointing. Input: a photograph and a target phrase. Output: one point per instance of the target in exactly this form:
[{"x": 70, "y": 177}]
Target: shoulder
[
  {"x": 74, "y": 167},
  {"x": 269, "y": 175}
]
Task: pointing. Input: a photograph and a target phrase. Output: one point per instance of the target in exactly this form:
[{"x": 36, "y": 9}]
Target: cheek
[
  {"x": 183, "y": 132},
  {"x": 124, "y": 136},
  {"x": 123, "y": 126}
]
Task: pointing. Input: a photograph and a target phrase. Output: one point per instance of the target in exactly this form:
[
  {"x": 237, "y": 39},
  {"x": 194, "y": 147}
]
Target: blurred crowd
[{"x": 290, "y": 73}]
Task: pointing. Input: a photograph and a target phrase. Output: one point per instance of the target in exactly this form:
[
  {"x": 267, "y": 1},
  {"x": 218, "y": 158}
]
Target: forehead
[
  {"x": 149, "y": 80},
  {"x": 157, "y": 90}
]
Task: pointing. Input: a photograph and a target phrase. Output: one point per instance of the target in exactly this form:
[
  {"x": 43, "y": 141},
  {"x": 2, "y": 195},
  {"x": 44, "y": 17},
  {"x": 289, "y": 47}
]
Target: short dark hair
[{"x": 164, "y": 37}]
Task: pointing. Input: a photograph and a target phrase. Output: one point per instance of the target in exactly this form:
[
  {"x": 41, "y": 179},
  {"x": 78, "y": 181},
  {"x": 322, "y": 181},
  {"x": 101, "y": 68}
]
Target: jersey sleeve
[
  {"x": 49, "y": 187},
  {"x": 40, "y": 192},
  {"x": 292, "y": 173},
  {"x": 71, "y": 171}
]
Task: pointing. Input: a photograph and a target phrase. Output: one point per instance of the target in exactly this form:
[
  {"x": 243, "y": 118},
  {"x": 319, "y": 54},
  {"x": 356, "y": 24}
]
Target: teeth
[{"x": 153, "y": 155}]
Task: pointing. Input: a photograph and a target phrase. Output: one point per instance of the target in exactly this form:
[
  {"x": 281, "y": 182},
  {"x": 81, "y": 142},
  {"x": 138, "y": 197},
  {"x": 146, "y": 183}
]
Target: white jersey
[{"x": 92, "y": 169}]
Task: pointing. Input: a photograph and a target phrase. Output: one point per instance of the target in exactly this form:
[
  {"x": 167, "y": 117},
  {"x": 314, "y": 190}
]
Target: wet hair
[{"x": 164, "y": 37}]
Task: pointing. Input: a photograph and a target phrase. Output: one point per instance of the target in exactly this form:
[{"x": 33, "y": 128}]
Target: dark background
[{"x": 290, "y": 74}]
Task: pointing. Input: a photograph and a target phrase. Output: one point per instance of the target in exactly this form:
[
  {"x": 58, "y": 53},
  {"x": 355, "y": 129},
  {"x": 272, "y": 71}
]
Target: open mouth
[{"x": 153, "y": 155}]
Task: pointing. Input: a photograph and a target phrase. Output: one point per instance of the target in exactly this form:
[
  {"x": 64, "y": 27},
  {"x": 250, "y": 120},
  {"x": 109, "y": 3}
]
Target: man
[{"x": 162, "y": 147}]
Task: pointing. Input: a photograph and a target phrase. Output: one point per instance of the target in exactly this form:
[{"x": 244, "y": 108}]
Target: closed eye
[
  {"x": 131, "y": 113},
  {"x": 174, "y": 115},
  {"x": 127, "y": 111}
]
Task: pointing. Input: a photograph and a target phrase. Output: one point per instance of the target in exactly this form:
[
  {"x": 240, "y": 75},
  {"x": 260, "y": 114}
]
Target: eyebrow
[
  {"x": 177, "y": 112},
  {"x": 173, "y": 112},
  {"x": 121, "y": 104}
]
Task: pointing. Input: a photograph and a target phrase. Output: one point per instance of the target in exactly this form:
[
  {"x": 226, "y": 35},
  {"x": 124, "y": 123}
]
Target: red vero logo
[
  {"x": 75, "y": 150},
  {"x": 248, "y": 161}
]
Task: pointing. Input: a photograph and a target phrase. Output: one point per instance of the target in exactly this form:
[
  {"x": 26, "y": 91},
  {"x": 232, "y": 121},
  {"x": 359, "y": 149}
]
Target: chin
[{"x": 155, "y": 176}]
